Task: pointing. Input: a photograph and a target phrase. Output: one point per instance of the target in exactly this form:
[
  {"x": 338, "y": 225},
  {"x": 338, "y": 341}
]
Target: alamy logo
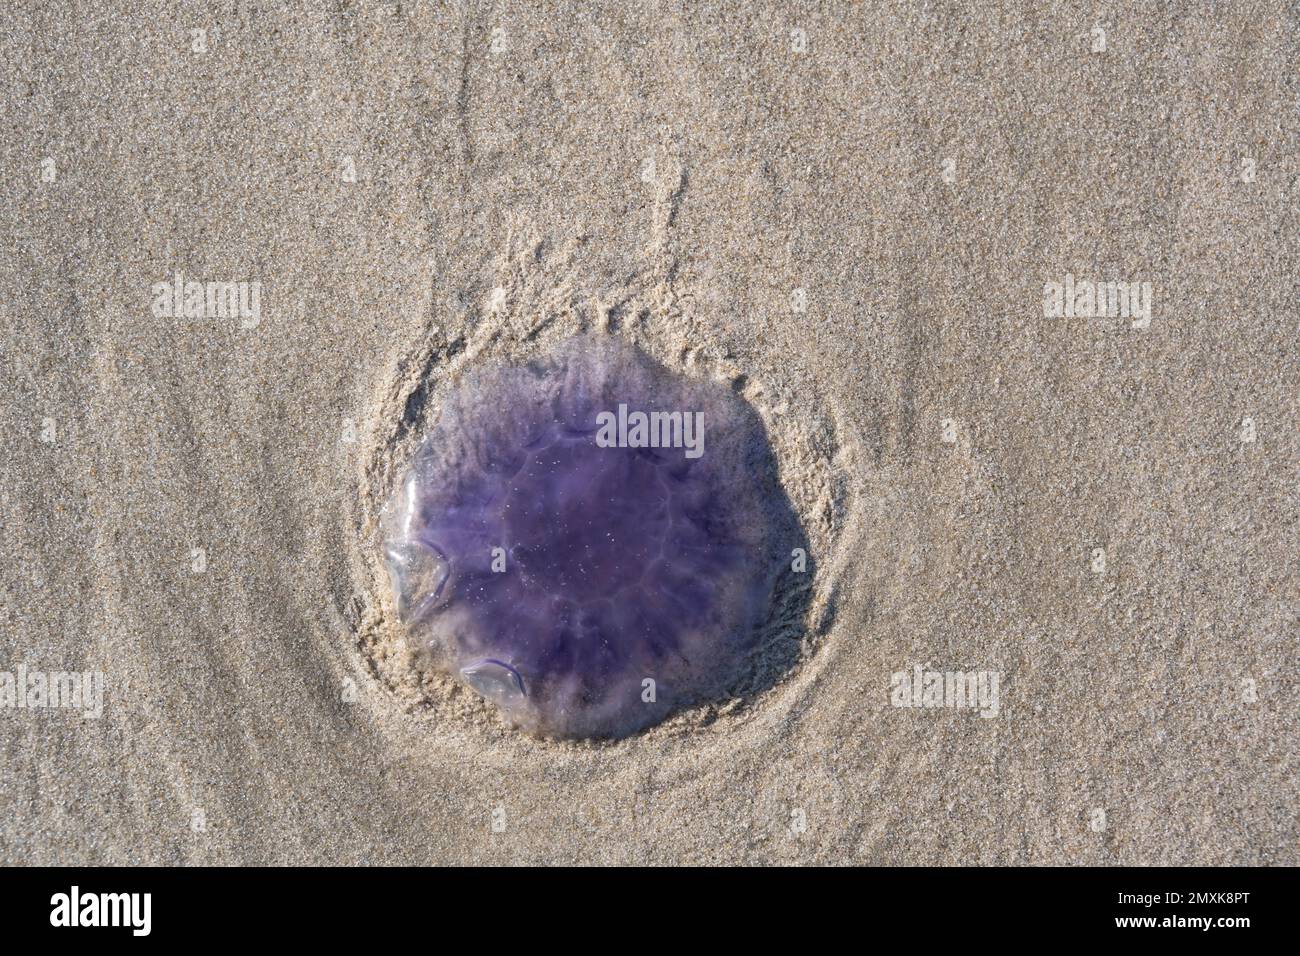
[
  {"x": 103, "y": 909},
  {"x": 977, "y": 690},
  {"x": 192, "y": 299},
  {"x": 1083, "y": 299},
  {"x": 27, "y": 689},
  {"x": 651, "y": 430}
]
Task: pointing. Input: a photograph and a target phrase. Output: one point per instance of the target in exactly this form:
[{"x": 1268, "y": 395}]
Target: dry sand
[{"x": 849, "y": 211}]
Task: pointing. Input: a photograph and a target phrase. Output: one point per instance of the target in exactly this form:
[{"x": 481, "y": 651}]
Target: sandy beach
[{"x": 1012, "y": 290}]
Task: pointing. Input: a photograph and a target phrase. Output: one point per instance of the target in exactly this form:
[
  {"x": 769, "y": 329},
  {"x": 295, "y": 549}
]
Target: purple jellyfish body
[{"x": 585, "y": 541}]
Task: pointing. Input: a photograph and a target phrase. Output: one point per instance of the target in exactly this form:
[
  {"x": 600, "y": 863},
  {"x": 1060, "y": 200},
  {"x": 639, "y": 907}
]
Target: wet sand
[{"x": 856, "y": 215}]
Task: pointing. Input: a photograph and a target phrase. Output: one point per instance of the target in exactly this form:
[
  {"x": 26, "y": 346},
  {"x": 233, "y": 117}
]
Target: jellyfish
[{"x": 586, "y": 541}]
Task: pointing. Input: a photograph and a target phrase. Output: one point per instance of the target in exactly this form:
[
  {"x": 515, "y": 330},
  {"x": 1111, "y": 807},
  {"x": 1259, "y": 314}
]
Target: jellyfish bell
[{"x": 587, "y": 588}]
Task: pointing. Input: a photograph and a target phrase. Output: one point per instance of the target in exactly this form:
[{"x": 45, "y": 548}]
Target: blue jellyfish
[{"x": 586, "y": 541}]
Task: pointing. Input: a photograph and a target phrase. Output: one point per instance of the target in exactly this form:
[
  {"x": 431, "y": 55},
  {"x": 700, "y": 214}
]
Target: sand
[{"x": 853, "y": 213}]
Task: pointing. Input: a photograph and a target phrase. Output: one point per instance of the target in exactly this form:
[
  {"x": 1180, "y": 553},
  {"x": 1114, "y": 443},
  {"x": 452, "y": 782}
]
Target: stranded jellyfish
[{"x": 585, "y": 540}]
